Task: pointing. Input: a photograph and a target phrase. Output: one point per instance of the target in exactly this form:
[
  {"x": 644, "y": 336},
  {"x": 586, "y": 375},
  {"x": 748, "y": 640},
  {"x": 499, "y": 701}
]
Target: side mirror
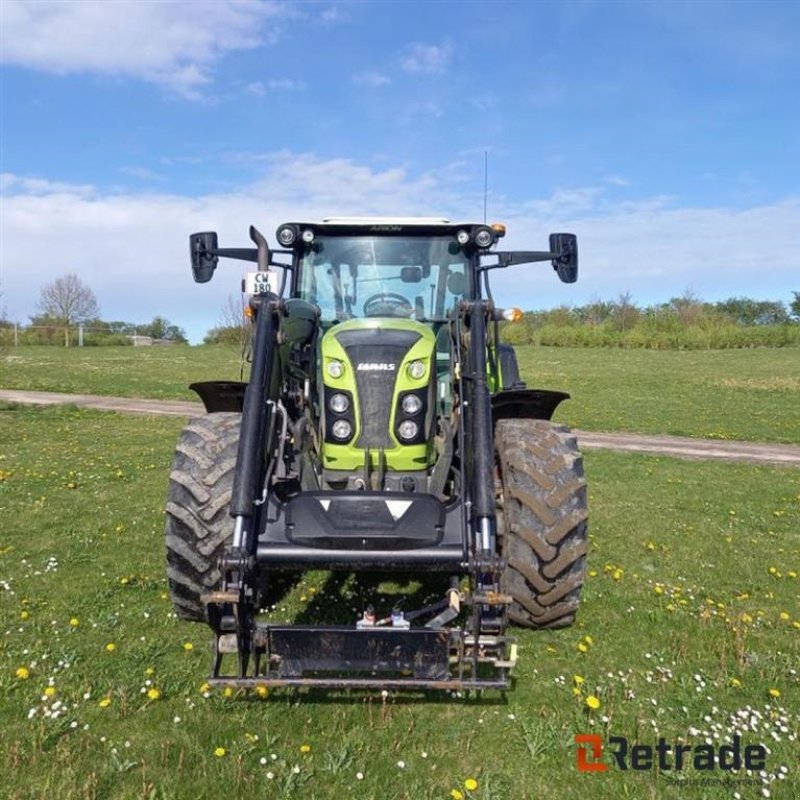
[
  {"x": 202, "y": 248},
  {"x": 566, "y": 265}
]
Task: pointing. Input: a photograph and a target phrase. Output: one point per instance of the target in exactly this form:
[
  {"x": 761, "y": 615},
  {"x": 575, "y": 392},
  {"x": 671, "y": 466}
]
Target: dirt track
[{"x": 684, "y": 447}]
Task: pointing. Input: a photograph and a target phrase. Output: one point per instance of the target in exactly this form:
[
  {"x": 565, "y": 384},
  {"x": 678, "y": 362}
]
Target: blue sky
[{"x": 665, "y": 134}]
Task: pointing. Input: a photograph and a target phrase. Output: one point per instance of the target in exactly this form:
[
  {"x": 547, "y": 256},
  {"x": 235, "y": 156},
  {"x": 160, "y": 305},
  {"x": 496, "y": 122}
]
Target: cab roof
[{"x": 383, "y": 226}]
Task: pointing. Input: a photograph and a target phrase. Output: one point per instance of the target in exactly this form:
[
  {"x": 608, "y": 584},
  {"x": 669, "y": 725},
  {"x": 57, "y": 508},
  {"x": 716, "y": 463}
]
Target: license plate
[{"x": 259, "y": 282}]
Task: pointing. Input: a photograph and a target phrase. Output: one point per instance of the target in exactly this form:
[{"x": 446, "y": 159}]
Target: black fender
[
  {"x": 526, "y": 404},
  {"x": 220, "y": 395}
]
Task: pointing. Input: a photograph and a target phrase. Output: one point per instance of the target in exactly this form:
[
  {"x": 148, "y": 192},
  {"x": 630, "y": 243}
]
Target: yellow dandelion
[
  {"x": 219, "y": 752},
  {"x": 188, "y": 646},
  {"x": 470, "y": 784},
  {"x": 206, "y": 687},
  {"x": 736, "y": 683},
  {"x": 305, "y": 748},
  {"x": 617, "y": 574},
  {"x": 578, "y": 679},
  {"x": 593, "y": 702},
  {"x": 153, "y": 694},
  {"x": 23, "y": 615},
  {"x": 50, "y": 691},
  {"x": 149, "y": 671},
  {"x": 746, "y": 618},
  {"x": 74, "y": 622},
  {"x": 583, "y": 647},
  {"x": 111, "y": 647},
  {"x": 775, "y": 693},
  {"x": 576, "y": 690},
  {"x": 23, "y": 673},
  {"x": 456, "y": 794},
  {"x": 588, "y": 640},
  {"x": 784, "y": 616},
  {"x": 228, "y": 692},
  {"x": 592, "y": 573},
  {"x": 105, "y": 702},
  {"x": 658, "y": 589},
  {"x": 262, "y": 691}
]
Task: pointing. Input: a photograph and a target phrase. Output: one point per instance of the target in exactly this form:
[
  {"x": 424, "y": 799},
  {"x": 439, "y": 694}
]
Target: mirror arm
[
  {"x": 507, "y": 258},
  {"x": 240, "y": 253}
]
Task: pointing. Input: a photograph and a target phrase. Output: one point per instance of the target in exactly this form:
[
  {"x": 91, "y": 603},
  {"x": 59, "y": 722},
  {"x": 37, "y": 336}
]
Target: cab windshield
[{"x": 364, "y": 276}]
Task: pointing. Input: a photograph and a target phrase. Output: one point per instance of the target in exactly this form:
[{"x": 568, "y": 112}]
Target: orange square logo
[{"x": 596, "y": 743}]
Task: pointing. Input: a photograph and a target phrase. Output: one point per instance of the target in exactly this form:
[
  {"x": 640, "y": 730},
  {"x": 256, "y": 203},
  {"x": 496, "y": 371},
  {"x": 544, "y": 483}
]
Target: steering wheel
[{"x": 388, "y": 304}]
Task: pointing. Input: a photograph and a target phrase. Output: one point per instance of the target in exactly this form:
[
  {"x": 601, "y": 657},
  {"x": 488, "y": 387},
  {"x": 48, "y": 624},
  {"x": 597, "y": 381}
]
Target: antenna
[{"x": 485, "y": 182}]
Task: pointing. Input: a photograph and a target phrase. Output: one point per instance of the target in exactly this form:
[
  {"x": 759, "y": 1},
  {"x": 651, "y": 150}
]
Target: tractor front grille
[{"x": 376, "y": 356}]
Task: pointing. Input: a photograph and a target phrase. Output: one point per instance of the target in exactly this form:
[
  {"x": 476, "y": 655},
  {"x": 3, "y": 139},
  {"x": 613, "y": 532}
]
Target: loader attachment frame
[{"x": 463, "y": 647}]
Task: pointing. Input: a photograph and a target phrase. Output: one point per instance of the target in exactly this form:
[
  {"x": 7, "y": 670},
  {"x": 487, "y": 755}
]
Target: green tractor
[{"x": 384, "y": 430}]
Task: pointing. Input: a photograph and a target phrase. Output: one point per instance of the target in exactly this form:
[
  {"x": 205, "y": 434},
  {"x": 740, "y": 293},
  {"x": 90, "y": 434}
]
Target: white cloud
[
  {"x": 372, "y": 79},
  {"x": 141, "y": 173},
  {"x": 261, "y": 88},
  {"x": 286, "y": 85},
  {"x": 173, "y": 43},
  {"x": 656, "y": 250},
  {"x": 427, "y": 58},
  {"x": 132, "y": 248}
]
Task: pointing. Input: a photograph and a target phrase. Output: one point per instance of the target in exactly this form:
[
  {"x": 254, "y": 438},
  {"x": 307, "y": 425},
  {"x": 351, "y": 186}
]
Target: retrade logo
[{"x": 666, "y": 757}]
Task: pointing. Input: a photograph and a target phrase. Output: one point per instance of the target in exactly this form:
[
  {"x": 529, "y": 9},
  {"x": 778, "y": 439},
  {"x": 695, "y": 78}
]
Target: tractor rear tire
[
  {"x": 541, "y": 521},
  {"x": 198, "y": 523}
]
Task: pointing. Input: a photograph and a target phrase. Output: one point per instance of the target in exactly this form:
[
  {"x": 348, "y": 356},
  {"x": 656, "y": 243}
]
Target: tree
[
  {"x": 746, "y": 311},
  {"x": 68, "y": 301},
  {"x": 625, "y": 313},
  {"x": 794, "y": 306},
  {"x": 232, "y": 327},
  {"x": 162, "y": 329}
]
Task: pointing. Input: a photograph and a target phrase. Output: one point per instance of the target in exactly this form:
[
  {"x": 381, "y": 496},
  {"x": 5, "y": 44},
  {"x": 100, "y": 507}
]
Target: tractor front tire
[
  {"x": 198, "y": 524},
  {"x": 541, "y": 521}
]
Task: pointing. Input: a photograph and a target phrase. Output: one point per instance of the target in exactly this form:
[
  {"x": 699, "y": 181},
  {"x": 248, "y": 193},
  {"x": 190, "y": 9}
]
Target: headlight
[
  {"x": 408, "y": 430},
  {"x": 416, "y": 369},
  {"x": 335, "y": 369},
  {"x": 307, "y": 236},
  {"x": 286, "y": 235},
  {"x": 484, "y": 236},
  {"x": 342, "y": 429},
  {"x": 339, "y": 403},
  {"x": 462, "y": 237},
  {"x": 411, "y": 404}
]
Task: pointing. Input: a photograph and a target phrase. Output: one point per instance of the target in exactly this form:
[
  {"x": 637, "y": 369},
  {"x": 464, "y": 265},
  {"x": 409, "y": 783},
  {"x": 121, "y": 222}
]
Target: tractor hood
[{"x": 378, "y": 376}]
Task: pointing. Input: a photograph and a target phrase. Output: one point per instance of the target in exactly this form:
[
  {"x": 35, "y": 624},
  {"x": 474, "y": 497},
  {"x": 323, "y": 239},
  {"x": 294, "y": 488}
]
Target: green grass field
[
  {"x": 728, "y": 394},
  {"x": 690, "y": 626}
]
